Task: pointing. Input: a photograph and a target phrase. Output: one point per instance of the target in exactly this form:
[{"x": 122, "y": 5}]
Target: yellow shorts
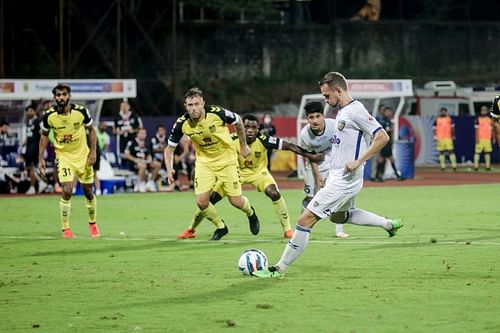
[
  {"x": 260, "y": 181},
  {"x": 484, "y": 145},
  {"x": 67, "y": 170},
  {"x": 444, "y": 144},
  {"x": 205, "y": 179}
]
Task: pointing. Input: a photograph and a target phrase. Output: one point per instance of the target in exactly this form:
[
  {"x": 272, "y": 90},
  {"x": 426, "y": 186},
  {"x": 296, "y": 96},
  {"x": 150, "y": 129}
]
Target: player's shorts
[
  {"x": 309, "y": 184},
  {"x": 260, "y": 180},
  {"x": 387, "y": 150},
  {"x": 206, "y": 177},
  {"x": 338, "y": 194},
  {"x": 484, "y": 146},
  {"x": 31, "y": 155},
  {"x": 444, "y": 144},
  {"x": 67, "y": 170}
]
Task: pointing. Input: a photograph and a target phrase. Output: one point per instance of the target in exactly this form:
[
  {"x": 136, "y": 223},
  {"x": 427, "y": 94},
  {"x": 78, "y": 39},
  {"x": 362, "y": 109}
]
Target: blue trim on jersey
[
  {"x": 378, "y": 129},
  {"x": 358, "y": 144},
  {"x": 299, "y": 228}
]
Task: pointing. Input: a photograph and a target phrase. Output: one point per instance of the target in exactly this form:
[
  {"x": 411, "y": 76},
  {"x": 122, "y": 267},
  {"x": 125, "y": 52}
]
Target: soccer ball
[{"x": 252, "y": 260}]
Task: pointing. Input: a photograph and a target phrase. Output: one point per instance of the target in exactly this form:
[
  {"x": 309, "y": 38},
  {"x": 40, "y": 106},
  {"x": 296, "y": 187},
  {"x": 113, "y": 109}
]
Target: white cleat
[
  {"x": 342, "y": 234},
  {"x": 31, "y": 191}
]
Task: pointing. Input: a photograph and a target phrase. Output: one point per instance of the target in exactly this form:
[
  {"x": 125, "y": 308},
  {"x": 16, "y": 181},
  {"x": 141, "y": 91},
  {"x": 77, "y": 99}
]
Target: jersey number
[{"x": 66, "y": 172}]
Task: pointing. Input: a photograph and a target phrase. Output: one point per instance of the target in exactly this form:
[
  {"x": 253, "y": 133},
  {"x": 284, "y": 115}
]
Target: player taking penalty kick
[
  {"x": 216, "y": 158},
  {"x": 71, "y": 124}
]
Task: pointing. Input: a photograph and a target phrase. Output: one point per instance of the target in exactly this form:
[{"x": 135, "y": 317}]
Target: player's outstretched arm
[
  {"x": 240, "y": 130},
  {"x": 313, "y": 157},
  {"x": 168, "y": 155}
]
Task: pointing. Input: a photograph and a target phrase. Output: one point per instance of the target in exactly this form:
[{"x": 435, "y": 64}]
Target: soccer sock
[
  {"x": 380, "y": 170},
  {"x": 246, "y": 207},
  {"x": 395, "y": 169},
  {"x": 442, "y": 160},
  {"x": 476, "y": 161},
  {"x": 487, "y": 161},
  {"x": 282, "y": 211},
  {"x": 294, "y": 248},
  {"x": 339, "y": 227},
  {"x": 453, "y": 160},
  {"x": 359, "y": 216},
  {"x": 197, "y": 218},
  {"x": 91, "y": 209},
  {"x": 211, "y": 213},
  {"x": 64, "y": 210}
]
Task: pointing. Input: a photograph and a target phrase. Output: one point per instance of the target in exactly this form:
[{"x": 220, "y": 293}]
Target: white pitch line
[{"x": 351, "y": 241}]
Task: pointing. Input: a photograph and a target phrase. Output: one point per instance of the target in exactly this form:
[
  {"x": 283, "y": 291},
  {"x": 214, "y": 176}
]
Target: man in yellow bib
[{"x": 74, "y": 158}]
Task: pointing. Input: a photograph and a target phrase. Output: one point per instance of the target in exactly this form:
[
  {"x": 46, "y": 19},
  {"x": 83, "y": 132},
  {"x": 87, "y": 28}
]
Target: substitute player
[
  {"x": 317, "y": 136},
  {"x": 73, "y": 156},
  {"x": 216, "y": 158},
  {"x": 357, "y": 137},
  {"x": 254, "y": 171},
  {"x": 444, "y": 134},
  {"x": 484, "y": 134}
]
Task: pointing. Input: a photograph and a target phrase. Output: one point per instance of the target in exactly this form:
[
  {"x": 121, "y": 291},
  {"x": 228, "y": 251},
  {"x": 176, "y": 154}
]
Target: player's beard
[{"x": 62, "y": 104}]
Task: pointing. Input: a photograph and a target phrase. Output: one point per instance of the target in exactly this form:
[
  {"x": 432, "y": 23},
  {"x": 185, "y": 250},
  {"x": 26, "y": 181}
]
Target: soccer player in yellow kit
[
  {"x": 74, "y": 158},
  {"x": 216, "y": 158},
  {"x": 254, "y": 171}
]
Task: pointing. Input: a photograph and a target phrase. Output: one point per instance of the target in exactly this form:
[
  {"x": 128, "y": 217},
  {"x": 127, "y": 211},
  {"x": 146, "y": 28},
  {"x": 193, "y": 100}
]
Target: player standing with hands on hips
[
  {"x": 350, "y": 150},
  {"x": 74, "y": 158}
]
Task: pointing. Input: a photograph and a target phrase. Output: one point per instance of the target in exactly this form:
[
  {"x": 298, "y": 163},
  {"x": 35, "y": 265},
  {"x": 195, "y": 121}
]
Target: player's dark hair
[
  {"x": 333, "y": 79},
  {"x": 31, "y": 106},
  {"x": 61, "y": 86},
  {"x": 495, "y": 107},
  {"x": 250, "y": 117},
  {"x": 193, "y": 92},
  {"x": 314, "y": 107},
  {"x": 159, "y": 126}
]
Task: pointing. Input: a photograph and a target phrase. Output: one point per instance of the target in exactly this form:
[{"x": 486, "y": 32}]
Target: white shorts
[
  {"x": 309, "y": 184},
  {"x": 338, "y": 194}
]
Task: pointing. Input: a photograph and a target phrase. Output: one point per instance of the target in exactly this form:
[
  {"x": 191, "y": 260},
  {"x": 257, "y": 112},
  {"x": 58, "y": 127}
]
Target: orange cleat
[
  {"x": 188, "y": 233},
  {"x": 288, "y": 233},
  {"x": 94, "y": 230},
  {"x": 67, "y": 233}
]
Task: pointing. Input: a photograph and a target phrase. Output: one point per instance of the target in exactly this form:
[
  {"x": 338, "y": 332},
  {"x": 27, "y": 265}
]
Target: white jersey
[
  {"x": 351, "y": 136},
  {"x": 319, "y": 143}
]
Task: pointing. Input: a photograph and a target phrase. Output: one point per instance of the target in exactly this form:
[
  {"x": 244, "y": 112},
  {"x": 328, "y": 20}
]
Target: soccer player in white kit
[
  {"x": 317, "y": 136},
  {"x": 351, "y": 148}
]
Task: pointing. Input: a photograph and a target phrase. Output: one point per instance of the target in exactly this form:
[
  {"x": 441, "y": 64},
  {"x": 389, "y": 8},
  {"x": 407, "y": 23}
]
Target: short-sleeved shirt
[
  {"x": 158, "y": 143},
  {"x": 70, "y": 139},
  {"x": 138, "y": 149},
  {"x": 127, "y": 121},
  {"x": 354, "y": 129},
  {"x": 319, "y": 143},
  {"x": 210, "y": 136},
  {"x": 33, "y": 131},
  {"x": 388, "y": 125},
  {"x": 256, "y": 162}
]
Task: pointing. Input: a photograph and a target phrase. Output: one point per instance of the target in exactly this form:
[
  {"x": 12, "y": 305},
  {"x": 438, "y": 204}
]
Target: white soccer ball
[{"x": 252, "y": 260}]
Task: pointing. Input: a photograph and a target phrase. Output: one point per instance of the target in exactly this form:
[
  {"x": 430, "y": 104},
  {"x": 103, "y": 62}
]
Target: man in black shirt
[
  {"x": 387, "y": 123},
  {"x": 127, "y": 124}
]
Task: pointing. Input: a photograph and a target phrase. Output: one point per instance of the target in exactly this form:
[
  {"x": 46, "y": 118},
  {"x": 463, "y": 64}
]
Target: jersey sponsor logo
[
  {"x": 370, "y": 118},
  {"x": 67, "y": 138},
  {"x": 335, "y": 140},
  {"x": 207, "y": 140},
  {"x": 341, "y": 125}
]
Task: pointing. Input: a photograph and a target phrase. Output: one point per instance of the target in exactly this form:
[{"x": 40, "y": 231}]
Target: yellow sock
[
  {"x": 247, "y": 208},
  {"x": 453, "y": 160},
  {"x": 441, "y": 161},
  {"x": 211, "y": 213},
  {"x": 64, "y": 210},
  {"x": 487, "y": 160},
  {"x": 197, "y": 218},
  {"x": 282, "y": 211},
  {"x": 92, "y": 209},
  {"x": 476, "y": 161}
]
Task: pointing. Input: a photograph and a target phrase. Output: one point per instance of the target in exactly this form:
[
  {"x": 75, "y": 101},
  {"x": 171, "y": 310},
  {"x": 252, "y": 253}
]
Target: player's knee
[
  {"x": 273, "y": 193},
  {"x": 339, "y": 217}
]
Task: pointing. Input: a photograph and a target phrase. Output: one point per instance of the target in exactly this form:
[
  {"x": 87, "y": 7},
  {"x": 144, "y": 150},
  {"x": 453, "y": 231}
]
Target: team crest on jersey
[
  {"x": 341, "y": 125},
  {"x": 212, "y": 129},
  {"x": 315, "y": 204},
  {"x": 76, "y": 125},
  {"x": 257, "y": 154}
]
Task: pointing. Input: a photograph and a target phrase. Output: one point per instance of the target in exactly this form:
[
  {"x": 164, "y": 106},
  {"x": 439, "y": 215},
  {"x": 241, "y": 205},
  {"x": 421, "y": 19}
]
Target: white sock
[
  {"x": 359, "y": 216},
  {"x": 339, "y": 227},
  {"x": 294, "y": 248}
]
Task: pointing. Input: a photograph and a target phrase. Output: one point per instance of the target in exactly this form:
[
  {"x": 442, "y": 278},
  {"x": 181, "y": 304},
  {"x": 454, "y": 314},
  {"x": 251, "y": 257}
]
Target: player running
[
  {"x": 254, "y": 171},
  {"x": 69, "y": 123}
]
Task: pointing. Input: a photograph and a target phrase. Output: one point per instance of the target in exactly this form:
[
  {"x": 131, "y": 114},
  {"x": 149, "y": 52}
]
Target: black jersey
[{"x": 33, "y": 131}]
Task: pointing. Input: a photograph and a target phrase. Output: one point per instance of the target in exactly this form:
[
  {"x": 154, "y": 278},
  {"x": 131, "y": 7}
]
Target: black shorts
[
  {"x": 31, "y": 155},
  {"x": 387, "y": 150}
]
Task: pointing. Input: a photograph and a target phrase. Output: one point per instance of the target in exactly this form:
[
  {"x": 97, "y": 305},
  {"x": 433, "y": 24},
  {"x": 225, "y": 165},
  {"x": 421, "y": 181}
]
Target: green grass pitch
[{"x": 439, "y": 274}]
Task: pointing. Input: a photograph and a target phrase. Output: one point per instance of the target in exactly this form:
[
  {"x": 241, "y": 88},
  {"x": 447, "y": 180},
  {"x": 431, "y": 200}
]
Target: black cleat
[
  {"x": 219, "y": 233},
  {"x": 253, "y": 221}
]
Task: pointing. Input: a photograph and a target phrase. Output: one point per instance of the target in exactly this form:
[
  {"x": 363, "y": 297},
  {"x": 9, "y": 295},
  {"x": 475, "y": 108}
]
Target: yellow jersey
[
  {"x": 70, "y": 138},
  {"x": 256, "y": 162},
  {"x": 210, "y": 136}
]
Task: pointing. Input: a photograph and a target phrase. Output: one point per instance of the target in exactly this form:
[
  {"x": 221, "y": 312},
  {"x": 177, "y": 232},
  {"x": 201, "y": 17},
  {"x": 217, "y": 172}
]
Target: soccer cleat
[
  {"x": 219, "y": 233},
  {"x": 31, "y": 191},
  {"x": 271, "y": 272},
  {"x": 341, "y": 234},
  {"x": 67, "y": 233},
  {"x": 42, "y": 186},
  {"x": 396, "y": 225},
  {"x": 253, "y": 221},
  {"x": 94, "y": 230},
  {"x": 188, "y": 233},
  {"x": 288, "y": 233}
]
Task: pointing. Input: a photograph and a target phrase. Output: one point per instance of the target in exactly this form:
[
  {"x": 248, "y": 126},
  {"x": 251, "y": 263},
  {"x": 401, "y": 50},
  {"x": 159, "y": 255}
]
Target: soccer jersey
[
  {"x": 210, "y": 136},
  {"x": 70, "y": 140},
  {"x": 33, "y": 131},
  {"x": 256, "y": 162},
  {"x": 127, "y": 121},
  {"x": 138, "y": 149},
  {"x": 158, "y": 143},
  {"x": 319, "y": 143},
  {"x": 351, "y": 136}
]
